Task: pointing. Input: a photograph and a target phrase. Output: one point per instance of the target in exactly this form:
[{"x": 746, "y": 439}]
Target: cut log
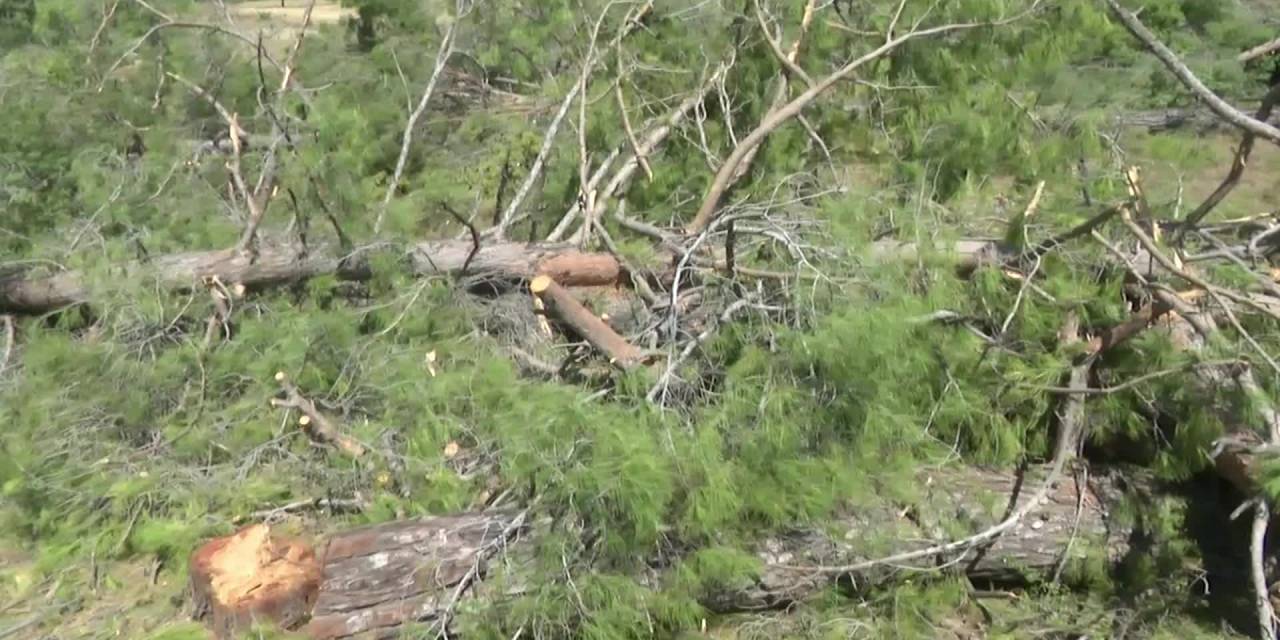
[
  {"x": 254, "y": 576},
  {"x": 379, "y": 579},
  {"x": 274, "y": 265},
  {"x": 566, "y": 309}
]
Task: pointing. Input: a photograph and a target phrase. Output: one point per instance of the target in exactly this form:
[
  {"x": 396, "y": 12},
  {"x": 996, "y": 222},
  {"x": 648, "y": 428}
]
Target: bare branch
[
  {"x": 1170, "y": 60},
  {"x": 1257, "y": 572},
  {"x": 726, "y": 175},
  {"x": 1238, "y": 164},
  {"x": 312, "y": 421},
  {"x": 406, "y": 139},
  {"x": 1263, "y": 49},
  {"x": 265, "y": 188}
]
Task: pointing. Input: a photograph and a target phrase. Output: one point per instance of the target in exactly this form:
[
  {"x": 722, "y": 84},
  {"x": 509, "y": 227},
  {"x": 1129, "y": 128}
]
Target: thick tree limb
[
  {"x": 380, "y": 578},
  {"x": 1263, "y": 49},
  {"x": 1170, "y": 60},
  {"x": 20, "y": 293},
  {"x": 1238, "y": 164},
  {"x": 565, "y": 308}
]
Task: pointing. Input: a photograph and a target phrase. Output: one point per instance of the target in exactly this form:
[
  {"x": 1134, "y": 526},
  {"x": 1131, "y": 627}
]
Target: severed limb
[
  {"x": 318, "y": 427},
  {"x": 557, "y": 301}
]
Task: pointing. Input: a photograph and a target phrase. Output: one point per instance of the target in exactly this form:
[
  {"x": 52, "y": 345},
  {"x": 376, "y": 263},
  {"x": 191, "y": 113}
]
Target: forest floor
[{"x": 136, "y": 598}]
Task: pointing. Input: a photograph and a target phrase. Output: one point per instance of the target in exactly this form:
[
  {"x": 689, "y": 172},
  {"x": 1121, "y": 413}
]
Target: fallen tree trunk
[
  {"x": 378, "y": 579},
  {"x": 21, "y": 292},
  {"x": 279, "y": 264}
]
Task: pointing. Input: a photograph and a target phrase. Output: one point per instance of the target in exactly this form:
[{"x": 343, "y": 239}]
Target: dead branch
[
  {"x": 170, "y": 23},
  {"x": 10, "y": 333},
  {"x": 1238, "y": 164},
  {"x": 1266, "y": 48},
  {"x": 219, "y": 322},
  {"x": 406, "y": 138},
  {"x": 776, "y": 118},
  {"x": 1165, "y": 261},
  {"x": 1189, "y": 80},
  {"x": 335, "y": 505},
  {"x": 278, "y": 264},
  {"x": 565, "y": 308},
  {"x": 266, "y": 187},
  {"x": 1257, "y": 570},
  {"x": 318, "y": 427}
]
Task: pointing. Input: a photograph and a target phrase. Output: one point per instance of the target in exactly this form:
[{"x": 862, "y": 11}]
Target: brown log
[
  {"x": 378, "y": 579},
  {"x": 562, "y": 306},
  {"x": 290, "y": 263}
]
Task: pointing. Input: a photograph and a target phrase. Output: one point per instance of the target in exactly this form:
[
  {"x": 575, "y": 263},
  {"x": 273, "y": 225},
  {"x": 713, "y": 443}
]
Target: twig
[
  {"x": 312, "y": 421},
  {"x": 475, "y": 238},
  {"x": 348, "y": 505},
  {"x": 1220, "y": 107},
  {"x": 1129, "y": 384},
  {"x": 636, "y": 149},
  {"x": 406, "y": 139},
  {"x": 725, "y": 176}
]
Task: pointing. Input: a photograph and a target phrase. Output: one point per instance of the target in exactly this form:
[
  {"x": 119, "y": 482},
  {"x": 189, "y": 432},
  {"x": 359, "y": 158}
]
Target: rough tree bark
[
  {"x": 378, "y": 579},
  {"x": 274, "y": 265}
]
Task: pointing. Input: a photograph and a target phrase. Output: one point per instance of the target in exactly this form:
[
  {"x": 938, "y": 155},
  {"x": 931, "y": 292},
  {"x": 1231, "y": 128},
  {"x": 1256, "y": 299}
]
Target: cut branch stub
[
  {"x": 568, "y": 311},
  {"x": 254, "y": 576},
  {"x": 318, "y": 427}
]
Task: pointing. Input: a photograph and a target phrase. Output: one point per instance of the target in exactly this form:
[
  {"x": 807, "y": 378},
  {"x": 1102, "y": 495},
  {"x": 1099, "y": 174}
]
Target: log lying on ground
[
  {"x": 21, "y": 292},
  {"x": 290, "y": 263},
  {"x": 1198, "y": 117},
  {"x": 568, "y": 311},
  {"x": 379, "y": 579}
]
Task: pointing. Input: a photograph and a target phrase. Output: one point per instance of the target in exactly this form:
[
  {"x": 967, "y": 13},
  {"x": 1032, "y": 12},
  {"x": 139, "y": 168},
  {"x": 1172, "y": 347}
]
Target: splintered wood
[{"x": 254, "y": 576}]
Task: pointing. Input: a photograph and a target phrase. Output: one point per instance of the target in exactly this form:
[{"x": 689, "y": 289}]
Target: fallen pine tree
[{"x": 375, "y": 581}]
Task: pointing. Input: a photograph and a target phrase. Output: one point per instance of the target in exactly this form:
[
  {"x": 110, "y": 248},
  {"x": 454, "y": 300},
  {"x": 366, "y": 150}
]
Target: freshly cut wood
[
  {"x": 377, "y": 580},
  {"x": 562, "y": 306},
  {"x": 317, "y": 426},
  {"x": 253, "y": 576},
  {"x": 273, "y": 265}
]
